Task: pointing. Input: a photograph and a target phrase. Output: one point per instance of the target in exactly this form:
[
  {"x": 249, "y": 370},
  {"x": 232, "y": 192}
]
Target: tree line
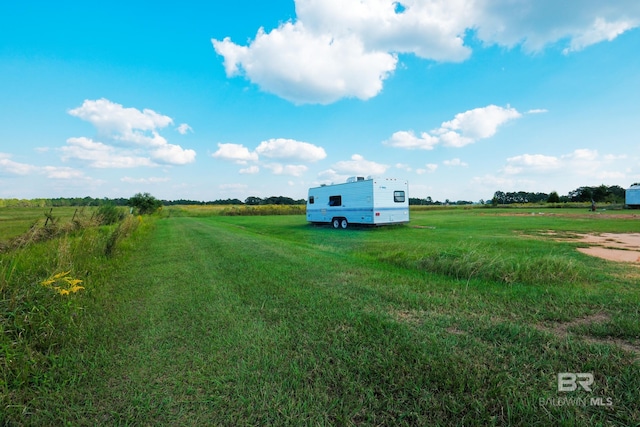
[
  {"x": 600, "y": 194},
  {"x": 414, "y": 201},
  {"x": 120, "y": 201}
]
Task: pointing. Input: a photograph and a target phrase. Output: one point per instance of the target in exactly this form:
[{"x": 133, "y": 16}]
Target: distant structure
[
  {"x": 632, "y": 196},
  {"x": 370, "y": 201}
]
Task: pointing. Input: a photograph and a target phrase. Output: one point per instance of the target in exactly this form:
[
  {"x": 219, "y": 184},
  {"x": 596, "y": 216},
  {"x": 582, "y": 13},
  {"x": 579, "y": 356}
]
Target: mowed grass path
[{"x": 216, "y": 322}]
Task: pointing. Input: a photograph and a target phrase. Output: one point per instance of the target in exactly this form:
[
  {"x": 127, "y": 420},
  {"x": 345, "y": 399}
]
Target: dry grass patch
[{"x": 563, "y": 331}]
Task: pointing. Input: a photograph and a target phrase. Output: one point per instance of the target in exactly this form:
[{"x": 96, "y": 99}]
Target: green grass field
[
  {"x": 16, "y": 220},
  {"x": 462, "y": 317}
]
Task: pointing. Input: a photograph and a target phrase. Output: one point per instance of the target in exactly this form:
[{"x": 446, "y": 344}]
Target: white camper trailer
[
  {"x": 632, "y": 196},
  {"x": 372, "y": 201}
]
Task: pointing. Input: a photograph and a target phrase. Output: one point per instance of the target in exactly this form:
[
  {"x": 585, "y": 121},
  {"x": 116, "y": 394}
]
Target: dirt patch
[
  {"x": 590, "y": 215},
  {"x": 612, "y": 254},
  {"x": 455, "y": 331},
  {"x": 561, "y": 330},
  {"x": 629, "y": 241},
  {"x": 409, "y": 316},
  {"x": 619, "y": 247}
]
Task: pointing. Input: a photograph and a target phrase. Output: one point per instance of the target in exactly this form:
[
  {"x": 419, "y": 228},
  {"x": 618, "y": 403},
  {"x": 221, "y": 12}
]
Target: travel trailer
[
  {"x": 632, "y": 196},
  {"x": 360, "y": 200}
]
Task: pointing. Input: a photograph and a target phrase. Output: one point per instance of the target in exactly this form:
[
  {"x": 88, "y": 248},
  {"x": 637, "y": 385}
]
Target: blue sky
[{"x": 234, "y": 99}]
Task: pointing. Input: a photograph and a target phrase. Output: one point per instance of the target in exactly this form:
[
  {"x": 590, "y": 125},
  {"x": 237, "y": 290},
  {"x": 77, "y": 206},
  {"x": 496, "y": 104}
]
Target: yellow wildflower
[{"x": 68, "y": 284}]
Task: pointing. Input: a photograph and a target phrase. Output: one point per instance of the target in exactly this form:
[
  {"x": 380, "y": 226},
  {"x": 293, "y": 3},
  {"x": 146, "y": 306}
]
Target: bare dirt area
[
  {"x": 619, "y": 247},
  {"x": 589, "y": 215},
  {"x": 612, "y": 247}
]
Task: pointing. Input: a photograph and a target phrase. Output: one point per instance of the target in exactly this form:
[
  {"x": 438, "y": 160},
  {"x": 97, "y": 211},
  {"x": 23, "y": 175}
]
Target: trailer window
[
  {"x": 335, "y": 200},
  {"x": 398, "y": 196},
  {"x": 311, "y": 200}
]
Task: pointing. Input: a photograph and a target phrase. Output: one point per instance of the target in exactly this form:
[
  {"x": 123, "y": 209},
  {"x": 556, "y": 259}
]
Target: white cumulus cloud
[
  {"x": 360, "y": 166},
  {"x": 429, "y": 168},
  {"x": 535, "y": 24},
  {"x": 275, "y": 149},
  {"x": 531, "y": 162},
  {"x": 304, "y": 67},
  {"x": 184, "y": 129},
  {"x": 409, "y": 140},
  {"x": 455, "y": 162},
  {"x": 293, "y": 170},
  {"x": 100, "y": 155},
  {"x": 52, "y": 172},
  {"x": 346, "y": 48},
  {"x": 235, "y": 152},
  {"x": 281, "y": 148},
  {"x": 14, "y": 168},
  {"x": 584, "y": 163},
  {"x": 251, "y": 170},
  {"x": 119, "y": 126},
  {"x": 465, "y": 128}
]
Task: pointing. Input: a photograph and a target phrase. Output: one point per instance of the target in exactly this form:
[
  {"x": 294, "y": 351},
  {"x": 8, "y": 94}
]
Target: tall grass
[
  {"x": 37, "y": 318},
  {"x": 224, "y": 210},
  {"x": 474, "y": 261},
  {"x": 264, "y": 210}
]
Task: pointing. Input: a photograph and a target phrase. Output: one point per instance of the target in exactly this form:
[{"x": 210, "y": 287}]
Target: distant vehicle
[
  {"x": 371, "y": 201},
  {"x": 632, "y": 196}
]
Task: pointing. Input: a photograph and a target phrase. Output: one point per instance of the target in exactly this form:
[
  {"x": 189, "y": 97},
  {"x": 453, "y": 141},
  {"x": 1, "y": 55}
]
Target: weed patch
[
  {"x": 467, "y": 262},
  {"x": 43, "y": 277}
]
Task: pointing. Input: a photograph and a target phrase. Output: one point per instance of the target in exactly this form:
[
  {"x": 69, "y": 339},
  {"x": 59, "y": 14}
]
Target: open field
[
  {"x": 17, "y": 220},
  {"x": 462, "y": 317}
]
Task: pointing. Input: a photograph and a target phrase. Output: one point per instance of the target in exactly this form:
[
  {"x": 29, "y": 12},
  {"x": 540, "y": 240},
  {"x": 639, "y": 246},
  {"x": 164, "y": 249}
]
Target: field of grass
[
  {"x": 15, "y": 221},
  {"x": 462, "y": 317}
]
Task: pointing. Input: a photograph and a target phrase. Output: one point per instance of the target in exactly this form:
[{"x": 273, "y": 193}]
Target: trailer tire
[
  {"x": 344, "y": 224},
  {"x": 336, "y": 223}
]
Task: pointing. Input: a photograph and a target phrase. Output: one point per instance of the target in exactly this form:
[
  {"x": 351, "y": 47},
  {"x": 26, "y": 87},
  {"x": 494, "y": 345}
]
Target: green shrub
[
  {"x": 145, "y": 203},
  {"x": 109, "y": 214}
]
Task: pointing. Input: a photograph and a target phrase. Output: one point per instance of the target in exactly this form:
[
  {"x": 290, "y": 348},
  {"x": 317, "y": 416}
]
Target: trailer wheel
[
  {"x": 336, "y": 223},
  {"x": 344, "y": 224}
]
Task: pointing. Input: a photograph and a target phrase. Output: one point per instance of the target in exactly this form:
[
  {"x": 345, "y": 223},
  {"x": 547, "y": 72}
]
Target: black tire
[
  {"x": 344, "y": 224},
  {"x": 336, "y": 223}
]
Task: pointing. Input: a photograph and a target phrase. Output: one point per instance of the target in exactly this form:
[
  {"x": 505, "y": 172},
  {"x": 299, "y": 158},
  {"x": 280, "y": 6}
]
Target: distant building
[{"x": 632, "y": 196}]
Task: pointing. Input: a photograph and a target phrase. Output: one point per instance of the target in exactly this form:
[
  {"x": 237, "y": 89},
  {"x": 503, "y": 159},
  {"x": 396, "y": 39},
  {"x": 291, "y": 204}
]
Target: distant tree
[
  {"x": 278, "y": 200},
  {"x": 553, "y": 197},
  {"x": 251, "y": 200},
  {"x": 602, "y": 193},
  {"x": 145, "y": 203},
  {"x": 615, "y": 194},
  {"x": 226, "y": 202},
  {"x": 499, "y": 198}
]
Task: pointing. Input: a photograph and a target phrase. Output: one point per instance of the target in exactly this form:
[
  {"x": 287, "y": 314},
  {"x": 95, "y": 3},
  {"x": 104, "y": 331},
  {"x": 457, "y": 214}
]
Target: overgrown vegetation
[
  {"x": 264, "y": 210},
  {"x": 44, "y": 274}
]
